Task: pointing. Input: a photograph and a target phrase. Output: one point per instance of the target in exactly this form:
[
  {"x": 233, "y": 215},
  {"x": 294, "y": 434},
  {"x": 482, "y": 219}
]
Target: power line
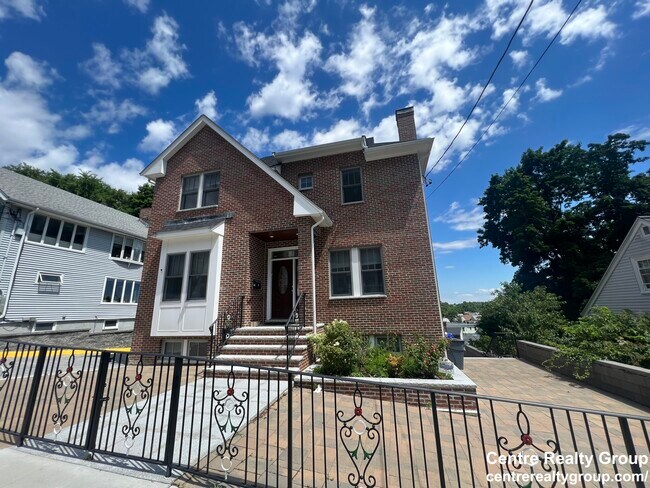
[
  {"x": 469, "y": 115},
  {"x": 557, "y": 34}
]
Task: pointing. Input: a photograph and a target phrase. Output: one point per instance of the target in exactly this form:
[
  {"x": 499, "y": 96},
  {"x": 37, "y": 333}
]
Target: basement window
[
  {"x": 174, "y": 348},
  {"x": 110, "y": 325},
  {"x": 43, "y": 327}
]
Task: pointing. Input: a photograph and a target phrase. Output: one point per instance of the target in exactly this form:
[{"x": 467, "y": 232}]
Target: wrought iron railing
[
  {"x": 262, "y": 426},
  {"x": 227, "y": 321},
  {"x": 294, "y": 325}
]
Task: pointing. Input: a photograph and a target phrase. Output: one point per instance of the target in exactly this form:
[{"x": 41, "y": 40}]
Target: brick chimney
[{"x": 405, "y": 118}]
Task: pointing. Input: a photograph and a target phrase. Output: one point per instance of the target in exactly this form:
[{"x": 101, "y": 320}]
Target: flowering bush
[
  {"x": 338, "y": 348},
  {"x": 421, "y": 359}
]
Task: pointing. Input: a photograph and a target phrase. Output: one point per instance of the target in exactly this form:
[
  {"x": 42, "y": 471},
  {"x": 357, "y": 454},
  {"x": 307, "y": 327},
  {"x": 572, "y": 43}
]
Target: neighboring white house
[
  {"x": 66, "y": 263},
  {"x": 626, "y": 283}
]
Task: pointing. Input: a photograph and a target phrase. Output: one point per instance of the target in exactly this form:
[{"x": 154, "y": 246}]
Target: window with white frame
[
  {"x": 127, "y": 249},
  {"x": 643, "y": 270},
  {"x": 42, "y": 326},
  {"x": 174, "y": 348},
  {"x": 196, "y": 281},
  {"x": 200, "y": 190},
  {"x": 306, "y": 182},
  {"x": 117, "y": 290},
  {"x": 645, "y": 231},
  {"x": 110, "y": 325},
  {"x": 356, "y": 272},
  {"x": 49, "y": 278},
  {"x": 55, "y": 232},
  {"x": 351, "y": 185},
  {"x": 197, "y": 348}
]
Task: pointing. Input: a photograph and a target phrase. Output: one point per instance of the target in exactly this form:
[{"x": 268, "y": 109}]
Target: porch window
[
  {"x": 200, "y": 190},
  {"x": 174, "y": 277},
  {"x": 341, "y": 273},
  {"x": 351, "y": 186},
  {"x": 197, "y": 283},
  {"x": 56, "y": 232},
  {"x": 356, "y": 272}
]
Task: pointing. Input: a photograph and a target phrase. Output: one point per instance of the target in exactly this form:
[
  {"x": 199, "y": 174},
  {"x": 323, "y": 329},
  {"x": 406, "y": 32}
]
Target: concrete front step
[
  {"x": 267, "y": 330},
  {"x": 270, "y": 360},
  {"x": 265, "y": 349},
  {"x": 242, "y": 372},
  {"x": 263, "y": 339}
]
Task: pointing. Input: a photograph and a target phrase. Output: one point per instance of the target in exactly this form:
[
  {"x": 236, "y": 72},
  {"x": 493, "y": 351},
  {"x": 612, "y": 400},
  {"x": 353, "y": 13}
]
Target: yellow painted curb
[{"x": 64, "y": 352}]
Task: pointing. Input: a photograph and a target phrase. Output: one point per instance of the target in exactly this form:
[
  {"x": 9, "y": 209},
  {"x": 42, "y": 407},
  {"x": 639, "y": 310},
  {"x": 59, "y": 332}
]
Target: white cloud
[
  {"x": 462, "y": 219},
  {"x": 458, "y": 245},
  {"x": 642, "y": 9},
  {"x": 450, "y": 266},
  {"x": 141, "y": 5},
  {"x": 366, "y": 53},
  {"x": 21, "y": 8},
  {"x": 159, "y": 134},
  {"x": 102, "y": 67},
  {"x": 519, "y": 58},
  {"x": 636, "y": 131},
  {"x": 207, "y": 105},
  {"x": 341, "y": 130},
  {"x": 24, "y": 72},
  {"x": 290, "y": 93},
  {"x": 114, "y": 114},
  {"x": 591, "y": 23},
  {"x": 124, "y": 175},
  {"x": 151, "y": 68},
  {"x": 544, "y": 93},
  {"x": 290, "y": 10},
  {"x": 256, "y": 139},
  {"x": 289, "y": 139}
]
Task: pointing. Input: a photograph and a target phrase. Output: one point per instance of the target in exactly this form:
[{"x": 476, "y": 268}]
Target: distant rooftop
[{"x": 35, "y": 194}]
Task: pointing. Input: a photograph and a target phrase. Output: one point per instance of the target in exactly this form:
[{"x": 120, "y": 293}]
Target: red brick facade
[{"x": 392, "y": 216}]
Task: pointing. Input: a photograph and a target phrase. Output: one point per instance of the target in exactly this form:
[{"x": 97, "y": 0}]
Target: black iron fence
[
  {"x": 256, "y": 426},
  {"x": 294, "y": 325},
  {"x": 228, "y": 319}
]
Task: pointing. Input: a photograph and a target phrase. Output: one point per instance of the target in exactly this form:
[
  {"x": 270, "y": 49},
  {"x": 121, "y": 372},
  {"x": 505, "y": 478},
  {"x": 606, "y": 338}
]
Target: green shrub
[
  {"x": 339, "y": 349},
  {"x": 421, "y": 359},
  {"x": 622, "y": 337},
  {"x": 375, "y": 362}
]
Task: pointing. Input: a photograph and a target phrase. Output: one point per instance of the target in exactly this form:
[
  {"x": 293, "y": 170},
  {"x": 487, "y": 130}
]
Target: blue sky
[{"x": 104, "y": 85}]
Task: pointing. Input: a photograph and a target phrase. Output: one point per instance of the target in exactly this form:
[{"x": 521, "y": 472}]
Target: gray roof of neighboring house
[{"x": 35, "y": 194}]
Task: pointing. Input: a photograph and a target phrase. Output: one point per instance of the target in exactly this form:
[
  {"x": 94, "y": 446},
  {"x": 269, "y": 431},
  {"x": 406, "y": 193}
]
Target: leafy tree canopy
[
  {"x": 560, "y": 215},
  {"x": 92, "y": 187}
]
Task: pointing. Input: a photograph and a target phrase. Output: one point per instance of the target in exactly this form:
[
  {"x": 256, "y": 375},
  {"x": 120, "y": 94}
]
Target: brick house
[{"x": 224, "y": 223}]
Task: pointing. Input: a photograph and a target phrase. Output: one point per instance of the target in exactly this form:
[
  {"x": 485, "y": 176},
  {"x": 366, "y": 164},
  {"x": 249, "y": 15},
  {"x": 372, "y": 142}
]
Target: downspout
[
  {"x": 313, "y": 270},
  {"x": 11, "y": 237},
  {"x": 18, "y": 254}
]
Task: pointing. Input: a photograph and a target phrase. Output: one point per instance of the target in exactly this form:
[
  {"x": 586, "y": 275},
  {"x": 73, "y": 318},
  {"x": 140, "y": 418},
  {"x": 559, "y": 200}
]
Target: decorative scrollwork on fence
[
  {"x": 5, "y": 367},
  {"x": 229, "y": 414},
  {"x": 360, "y": 438},
  {"x": 135, "y": 397},
  {"x": 527, "y": 453},
  {"x": 65, "y": 388}
]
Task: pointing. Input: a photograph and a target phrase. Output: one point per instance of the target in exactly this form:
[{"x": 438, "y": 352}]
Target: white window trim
[
  {"x": 58, "y": 237},
  {"x": 121, "y": 258},
  {"x": 363, "y": 192},
  {"x": 637, "y": 272},
  {"x": 116, "y": 327},
  {"x": 300, "y": 179},
  {"x": 355, "y": 268},
  {"x": 45, "y": 322},
  {"x": 643, "y": 234},
  {"x": 199, "y": 198},
  {"x": 101, "y": 299},
  {"x": 269, "y": 276},
  {"x": 39, "y": 282},
  {"x": 186, "y": 276}
]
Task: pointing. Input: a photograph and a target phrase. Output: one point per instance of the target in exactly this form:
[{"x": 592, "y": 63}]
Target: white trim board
[{"x": 302, "y": 206}]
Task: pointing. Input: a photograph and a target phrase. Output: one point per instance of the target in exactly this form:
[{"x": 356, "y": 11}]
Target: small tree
[{"x": 534, "y": 315}]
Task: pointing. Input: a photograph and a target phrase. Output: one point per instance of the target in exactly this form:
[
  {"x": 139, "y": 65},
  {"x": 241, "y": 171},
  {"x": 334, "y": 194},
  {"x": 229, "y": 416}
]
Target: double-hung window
[
  {"x": 194, "y": 281},
  {"x": 643, "y": 274},
  {"x": 351, "y": 186},
  {"x": 306, "y": 182},
  {"x": 56, "y": 232},
  {"x": 200, "y": 190},
  {"x": 356, "y": 272},
  {"x": 127, "y": 249}
]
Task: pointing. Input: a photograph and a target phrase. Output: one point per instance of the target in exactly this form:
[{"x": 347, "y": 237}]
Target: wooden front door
[{"x": 282, "y": 288}]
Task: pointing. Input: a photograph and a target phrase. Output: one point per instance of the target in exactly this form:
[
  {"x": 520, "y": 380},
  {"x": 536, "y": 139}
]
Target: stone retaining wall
[{"x": 630, "y": 382}]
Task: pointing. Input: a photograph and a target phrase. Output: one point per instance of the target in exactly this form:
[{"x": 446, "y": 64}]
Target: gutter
[
  {"x": 313, "y": 269},
  {"x": 18, "y": 254}
]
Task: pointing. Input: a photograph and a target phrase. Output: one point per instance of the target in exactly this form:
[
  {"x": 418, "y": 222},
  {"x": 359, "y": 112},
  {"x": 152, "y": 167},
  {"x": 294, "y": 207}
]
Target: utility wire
[
  {"x": 557, "y": 34},
  {"x": 469, "y": 115}
]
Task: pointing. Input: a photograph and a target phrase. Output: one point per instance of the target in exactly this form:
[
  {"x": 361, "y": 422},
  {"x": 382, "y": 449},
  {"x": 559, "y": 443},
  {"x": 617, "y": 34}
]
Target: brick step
[
  {"x": 257, "y": 349},
  {"x": 267, "y": 330},
  {"x": 263, "y": 339}
]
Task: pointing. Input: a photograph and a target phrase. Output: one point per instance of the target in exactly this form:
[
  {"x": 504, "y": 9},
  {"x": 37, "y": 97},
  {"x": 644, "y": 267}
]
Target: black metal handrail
[
  {"x": 294, "y": 325},
  {"x": 162, "y": 409},
  {"x": 227, "y": 321}
]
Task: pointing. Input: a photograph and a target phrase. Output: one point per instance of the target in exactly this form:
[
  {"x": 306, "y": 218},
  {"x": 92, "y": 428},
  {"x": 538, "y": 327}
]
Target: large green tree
[
  {"x": 560, "y": 215},
  {"x": 92, "y": 187}
]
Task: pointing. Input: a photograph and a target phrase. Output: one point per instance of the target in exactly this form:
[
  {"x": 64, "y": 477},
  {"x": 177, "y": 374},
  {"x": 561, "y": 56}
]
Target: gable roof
[
  {"x": 34, "y": 194},
  {"x": 302, "y": 206},
  {"x": 636, "y": 226}
]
